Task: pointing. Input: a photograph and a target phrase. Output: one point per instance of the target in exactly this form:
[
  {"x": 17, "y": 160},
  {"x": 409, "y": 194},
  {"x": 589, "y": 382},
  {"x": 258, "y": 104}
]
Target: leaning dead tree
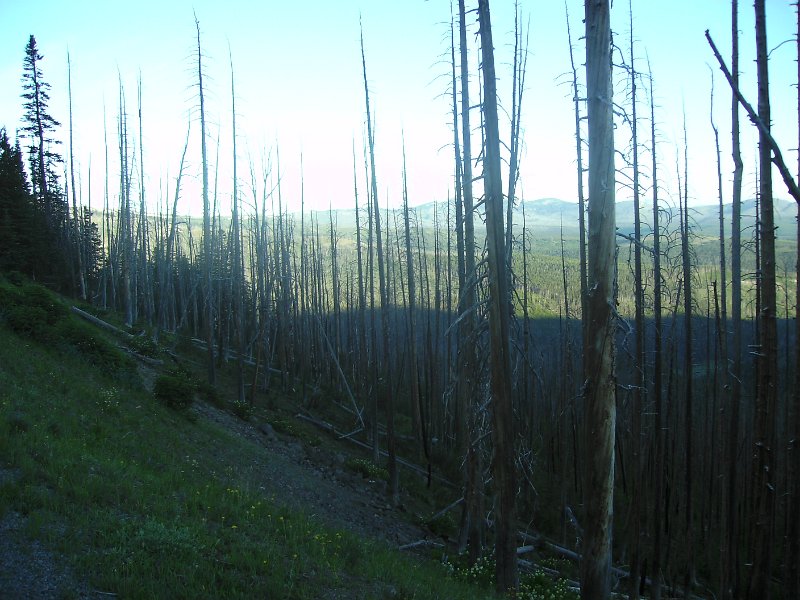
[
  {"x": 600, "y": 383},
  {"x": 387, "y": 380},
  {"x": 765, "y": 136}
]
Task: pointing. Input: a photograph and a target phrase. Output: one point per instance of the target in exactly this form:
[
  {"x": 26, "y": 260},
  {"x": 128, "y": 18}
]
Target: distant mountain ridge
[{"x": 550, "y": 214}]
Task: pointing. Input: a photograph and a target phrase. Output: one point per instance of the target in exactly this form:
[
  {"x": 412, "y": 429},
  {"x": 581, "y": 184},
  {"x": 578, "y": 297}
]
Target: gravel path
[{"x": 29, "y": 571}]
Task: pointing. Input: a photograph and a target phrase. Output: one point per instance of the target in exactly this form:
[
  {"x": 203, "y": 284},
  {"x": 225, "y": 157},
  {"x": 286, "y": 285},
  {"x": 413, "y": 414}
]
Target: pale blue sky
[{"x": 299, "y": 86}]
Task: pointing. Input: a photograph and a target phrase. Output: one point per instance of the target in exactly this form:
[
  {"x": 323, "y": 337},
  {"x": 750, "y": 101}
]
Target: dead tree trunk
[
  {"x": 418, "y": 414},
  {"x": 237, "y": 271},
  {"x": 793, "y": 558},
  {"x": 600, "y": 383},
  {"x": 687, "y": 364},
  {"x": 76, "y": 221},
  {"x": 502, "y": 417},
  {"x": 766, "y": 397},
  {"x": 658, "y": 442},
  {"x": 581, "y": 196},
  {"x": 731, "y": 581},
  {"x": 386, "y": 388},
  {"x": 207, "y": 251},
  {"x": 471, "y": 524},
  {"x": 638, "y": 500}
]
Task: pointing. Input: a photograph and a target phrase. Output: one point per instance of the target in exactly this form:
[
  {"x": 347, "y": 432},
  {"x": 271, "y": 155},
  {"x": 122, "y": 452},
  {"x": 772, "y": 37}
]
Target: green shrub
[
  {"x": 88, "y": 342},
  {"x": 144, "y": 345},
  {"x": 31, "y": 310},
  {"x": 40, "y": 297},
  {"x": 532, "y": 586},
  {"x": 243, "y": 410},
  {"x": 284, "y": 426},
  {"x": 481, "y": 573},
  {"x": 29, "y": 321},
  {"x": 367, "y": 468},
  {"x": 540, "y": 586},
  {"x": 15, "y": 277},
  {"x": 174, "y": 390},
  {"x": 9, "y": 296}
]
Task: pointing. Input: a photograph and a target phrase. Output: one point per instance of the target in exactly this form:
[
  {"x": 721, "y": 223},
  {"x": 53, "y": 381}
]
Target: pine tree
[
  {"x": 16, "y": 211},
  {"x": 46, "y": 228},
  {"x": 39, "y": 127}
]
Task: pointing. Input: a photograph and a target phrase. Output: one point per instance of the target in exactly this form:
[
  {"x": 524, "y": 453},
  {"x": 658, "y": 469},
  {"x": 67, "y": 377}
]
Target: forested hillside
[{"x": 615, "y": 378}]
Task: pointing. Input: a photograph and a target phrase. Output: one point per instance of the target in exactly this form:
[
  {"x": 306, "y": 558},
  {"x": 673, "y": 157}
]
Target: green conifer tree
[
  {"x": 14, "y": 206},
  {"x": 39, "y": 126}
]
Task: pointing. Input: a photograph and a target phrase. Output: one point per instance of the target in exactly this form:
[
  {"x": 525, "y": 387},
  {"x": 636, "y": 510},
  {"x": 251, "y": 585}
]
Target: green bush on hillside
[
  {"x": 144, "y": 345},
  {"x": 35, "y": 295},
  {"x": 87, "y": 341},
  {"x": 367, "y": 469},
  {"x": 33, "y": 311},
  {"x": 174, "y": 390},
  {"x": 30, "y": 321},
  {"x": 243, "y": 410},
  {"x": 29, "y": 310}
]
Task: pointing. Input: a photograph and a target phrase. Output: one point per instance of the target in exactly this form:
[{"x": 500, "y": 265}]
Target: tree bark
[
  {"x": 658, "y": 488},
  {"x": 793, "y": 559},
  {"x": 766, "y": 397},
  {"x": 499, "y": 316},
  {"x": 386, "y": 389},
  {"x": 207, "y": 250},
  {"x": 638, "y": 505},
  {"x": 600, "y": 383}
]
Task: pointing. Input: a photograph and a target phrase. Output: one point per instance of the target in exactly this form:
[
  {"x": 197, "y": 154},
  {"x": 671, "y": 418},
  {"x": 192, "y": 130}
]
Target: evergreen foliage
[
  {"x": 39, "y": 123},
  {"x": 34, "y": 218},
  {"x": 174, "y": 390},
  {"x": 16, "y": 214}
]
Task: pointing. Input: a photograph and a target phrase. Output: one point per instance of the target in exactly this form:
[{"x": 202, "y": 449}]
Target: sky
[{"x": 299, "y": 91}]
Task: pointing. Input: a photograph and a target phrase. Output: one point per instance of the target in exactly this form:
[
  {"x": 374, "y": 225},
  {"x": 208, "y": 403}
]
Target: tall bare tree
[
  {"x": 237, "y": 271},
  {"x": 688, "y": 380},
  {"x": 793, "y": 555},
  {"x": 500, "y": 386},
  {"x": 731, "y": 572},
  {"x": 766, "y": 398},
  {"x": 207, "y": 249},
  {"x": 576, "y": 100},
  {"x": 386, "y": 389},
  {"x": 472, "y": 528},
  {"x": 658, "y": 442},
  {"x": 637, "y": 510},
  {"x": 600, "y": 382},
  {"x": 76, "y": 222}
]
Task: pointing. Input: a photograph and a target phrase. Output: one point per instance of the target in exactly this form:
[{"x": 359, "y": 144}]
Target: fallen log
[
  {"x": 411, "y": 466},
  {"x": 100, "y": 323},
  {"x": 419, "y": 543},
  {"x": 153, "y": 362},
  {"x": 537, "y": 542},
  {"x": 446, "y": 509}
]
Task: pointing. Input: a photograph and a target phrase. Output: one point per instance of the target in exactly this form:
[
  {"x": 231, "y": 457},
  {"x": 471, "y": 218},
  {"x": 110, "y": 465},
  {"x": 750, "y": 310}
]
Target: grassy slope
[{"x": 127, "y": 491}]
